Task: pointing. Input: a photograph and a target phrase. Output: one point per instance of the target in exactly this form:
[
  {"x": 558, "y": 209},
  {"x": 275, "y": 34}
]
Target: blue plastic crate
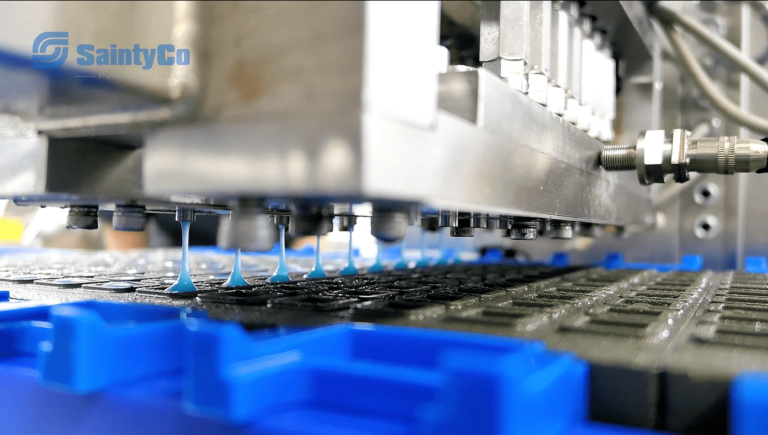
[
  {"x": 438, "y": 382},
  {"x": 749, "y": 404},
  {"x": 688, "y": 263},
  {"x": 88, "y": 346},
  {"x": 496, "y": 256},
  {"x": 99, "y": 367},
  {"x": 756, "y": 265}
]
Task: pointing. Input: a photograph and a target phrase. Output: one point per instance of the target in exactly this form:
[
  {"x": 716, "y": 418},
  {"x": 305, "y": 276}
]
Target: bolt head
[
  {"x": 561, "y": 230},
  {"x": 184, "y": 214},
  {"x": 430, "y": 223},
  {"x": 83, "y": 218},
  {"x": 462, "y": 232},
  {"x": 129, "y": 219},
  {"x": 523, "y": 231}
]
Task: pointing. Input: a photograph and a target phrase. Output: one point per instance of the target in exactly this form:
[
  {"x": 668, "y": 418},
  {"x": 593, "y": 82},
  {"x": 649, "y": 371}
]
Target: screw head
[
  {"x": 83, "y": 218},
  {"x": 462, "y": 232},
  {"x": 561, "y": 230},
  {"x": 523, "y": 231},
  {"x": 129, "y": 218}
]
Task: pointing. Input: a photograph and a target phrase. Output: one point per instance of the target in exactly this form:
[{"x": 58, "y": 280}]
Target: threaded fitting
[
  {"x": 185, "y": 214},
  {"x": 619, "y": 158}
]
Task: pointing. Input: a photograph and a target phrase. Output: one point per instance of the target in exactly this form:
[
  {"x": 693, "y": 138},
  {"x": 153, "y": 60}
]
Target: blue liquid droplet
[
  {"x": 377, "y": 266},
  {"x": 317, "y": 271},
  {"x": 236, "y": 278},
  {"x": 424, "y": 262},
  {"x": 184, "y": 282},
  {"x": 281, "y": 273},
  {"x": 457, "y": 252},
  {"x": 402, "y": 264},
  {"x": 443, "y": 260},
  {"x": 350, "y": 269}
]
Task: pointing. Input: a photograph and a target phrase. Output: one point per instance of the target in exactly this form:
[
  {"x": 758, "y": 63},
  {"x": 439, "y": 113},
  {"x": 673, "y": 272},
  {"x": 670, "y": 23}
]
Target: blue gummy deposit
[
  {"x": 281, "y": 273},
  {"x": 184, "y": 282},
  {"x": 423, "y": 262},
  {"x": 457, "y": 252},
  {"x": 402, "y": 264},
  {"x": 445, "y": 253},
  {"x": 316, "y": 274},
  {"x": 317, "y": 271},
  {"x": 377, "y": 267},
  {"x": 350, "y": 269},
  {"x": 236, "y": 278}
]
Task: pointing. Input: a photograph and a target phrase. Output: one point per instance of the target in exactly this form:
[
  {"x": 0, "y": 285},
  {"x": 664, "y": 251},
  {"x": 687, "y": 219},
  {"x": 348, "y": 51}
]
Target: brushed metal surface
[
  {"x": 23, "y": 161},
  {"x": 324, "y": 100},
  {"x": 79, "y": 168},
  {"x": 515, "y": 158},
  {"x": 249, "y": 59}
]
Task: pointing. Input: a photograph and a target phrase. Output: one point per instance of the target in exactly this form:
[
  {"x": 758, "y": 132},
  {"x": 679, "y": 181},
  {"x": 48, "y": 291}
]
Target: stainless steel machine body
[{"x": 305, "y": 104}]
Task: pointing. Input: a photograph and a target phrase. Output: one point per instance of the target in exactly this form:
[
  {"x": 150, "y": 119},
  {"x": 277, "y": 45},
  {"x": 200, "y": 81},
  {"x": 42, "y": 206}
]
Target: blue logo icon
[
  {"x": 59, "y": 41},
  {"x": 89, "y": 55}
]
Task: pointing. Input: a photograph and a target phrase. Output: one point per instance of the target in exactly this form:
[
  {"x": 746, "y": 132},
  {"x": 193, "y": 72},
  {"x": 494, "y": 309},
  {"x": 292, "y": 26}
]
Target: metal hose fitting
[
  {"x": 658, "y": 154},
  {"x": 619, "y": 158}
]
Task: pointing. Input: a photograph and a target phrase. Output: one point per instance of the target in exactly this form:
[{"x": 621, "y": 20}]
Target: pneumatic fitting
[{"x": 657, "y": 155}]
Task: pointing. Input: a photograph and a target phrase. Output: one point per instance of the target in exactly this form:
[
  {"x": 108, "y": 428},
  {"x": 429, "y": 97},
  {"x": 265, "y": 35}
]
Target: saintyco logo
[
  {"x": 88, "y": 54},
  {"x": 56, "y": 40}
]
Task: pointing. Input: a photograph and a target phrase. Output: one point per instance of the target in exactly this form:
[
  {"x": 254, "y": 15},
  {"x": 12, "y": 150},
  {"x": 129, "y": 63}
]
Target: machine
[{"x": 602, "y": 158}]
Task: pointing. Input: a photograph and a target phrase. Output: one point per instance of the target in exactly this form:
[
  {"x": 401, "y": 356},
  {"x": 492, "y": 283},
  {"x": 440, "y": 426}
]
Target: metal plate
[{"x": 518, "y": 158}]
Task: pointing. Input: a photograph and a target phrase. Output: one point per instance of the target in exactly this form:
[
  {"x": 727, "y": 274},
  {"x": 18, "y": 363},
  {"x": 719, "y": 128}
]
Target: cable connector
[{"x": 657, "y": 155}]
